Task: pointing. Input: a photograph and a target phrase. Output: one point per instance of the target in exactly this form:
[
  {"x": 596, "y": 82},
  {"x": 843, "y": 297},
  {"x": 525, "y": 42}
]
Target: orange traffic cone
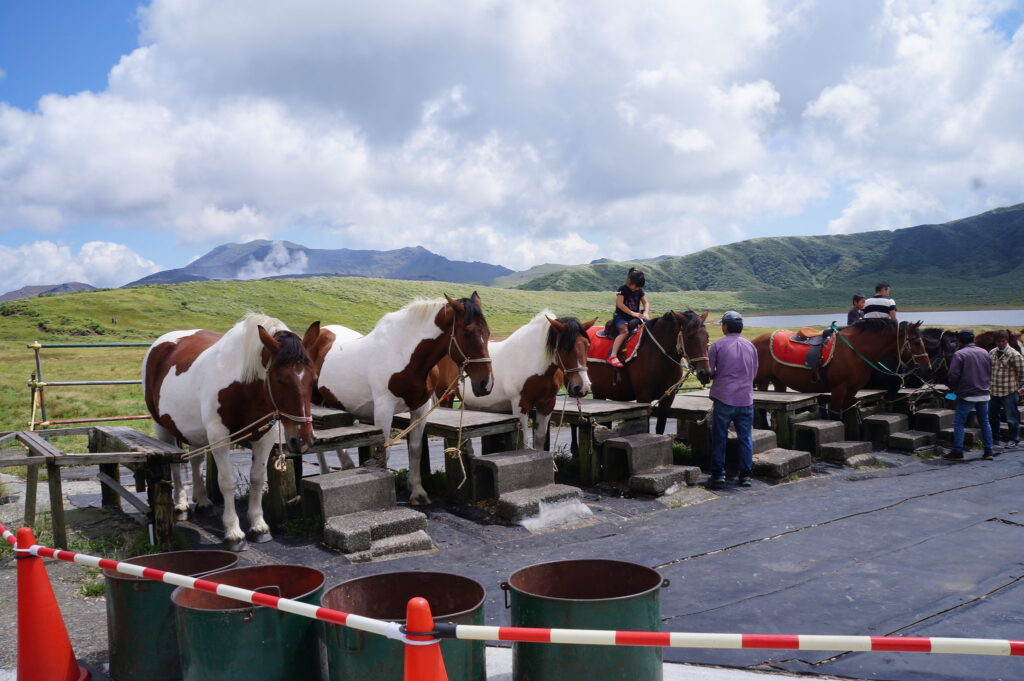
[
  {"x": 422, "y": 662},
  {"x": 44, "y": 649}
]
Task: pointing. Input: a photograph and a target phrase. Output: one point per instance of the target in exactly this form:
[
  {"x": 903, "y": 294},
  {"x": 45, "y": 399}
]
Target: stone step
[
  {"x": 629, "y": 455},
  {"x": 504, "y": 472},
  {"x": 911, "y": 440},
  {"x": 809, "y": 436},
  {"x": 525, "y": 503},
  {"x": 763, "y": 441},
  {"x": 971, "y": 436},
  {"x": 932, "y": 420},
  {"x": 877, "y": 428},
  {"x": 393, "y": 547},
  {"x": 655, "y": 482},
  {"x": 357, "y": 531},
  {"x": 841, "y": 452},
  {"x": 779, "y": 463},
  {"x": 345, "y": 492}
]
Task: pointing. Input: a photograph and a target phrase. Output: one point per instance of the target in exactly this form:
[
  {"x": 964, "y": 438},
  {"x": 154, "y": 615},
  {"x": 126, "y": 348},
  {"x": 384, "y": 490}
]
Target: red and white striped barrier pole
[{"x": 668, "y": 639}]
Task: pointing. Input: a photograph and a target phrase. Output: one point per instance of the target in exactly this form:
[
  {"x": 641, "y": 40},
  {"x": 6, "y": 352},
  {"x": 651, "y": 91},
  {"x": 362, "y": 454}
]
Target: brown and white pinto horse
[
  {"x": 385, "y": 372},
  {"x": 200, "y": 387},
  {"x": 847, "y": 371},
  {"x": 529, "y": 369}
]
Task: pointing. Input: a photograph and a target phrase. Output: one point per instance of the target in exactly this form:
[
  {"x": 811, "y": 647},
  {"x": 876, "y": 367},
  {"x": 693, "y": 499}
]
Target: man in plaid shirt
[{"x": 1007, "y": 379}]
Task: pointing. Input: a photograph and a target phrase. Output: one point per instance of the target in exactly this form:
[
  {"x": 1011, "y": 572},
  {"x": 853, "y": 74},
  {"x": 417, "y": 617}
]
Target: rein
[
  {"x": 681, "y": 349},
  {"x": 878, "y": 366}
]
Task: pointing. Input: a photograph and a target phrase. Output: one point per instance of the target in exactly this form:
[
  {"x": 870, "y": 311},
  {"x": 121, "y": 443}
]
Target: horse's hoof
[
  {"x": 180, "y": 516},
  {"x": 420, "y": 500},
  {"x": 204, "y": 511},
  {"x": 236, "y": 545},
  {"x": 261, "y": 538}
]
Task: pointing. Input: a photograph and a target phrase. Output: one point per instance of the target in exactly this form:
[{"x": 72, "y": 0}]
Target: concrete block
[
  {"x": 625, "y": 456},
  {"x": 392, "y": 547},
  {"x": 809, "y": 436},
  {"x": 841, "y": 452},
  {"x": 524, "y": 503},
  {"x": 778, "y": 463},
  {"x": 504, "y": 472},
  {"x": 932, "y": 420},
  {"x": 971, "y": 436},
  {"x": 357, "y": 531},
  {"x": 878, "y": 427},
  {"x": 345, "y": 492},
  {"x": 763, "y": 441},
  {"x": 911, "y": 440},
  {"x": 655, "y": 482}
]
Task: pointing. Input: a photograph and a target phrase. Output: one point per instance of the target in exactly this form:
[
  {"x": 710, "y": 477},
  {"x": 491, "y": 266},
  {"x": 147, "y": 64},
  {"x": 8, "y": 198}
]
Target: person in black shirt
[
  {"x": 856, "y": 312},
  {"x": 630, "y": 307}
]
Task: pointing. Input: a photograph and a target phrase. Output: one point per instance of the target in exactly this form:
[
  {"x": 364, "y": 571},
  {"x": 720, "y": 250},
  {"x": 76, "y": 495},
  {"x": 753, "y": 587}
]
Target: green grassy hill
[{"x": 981, "y": 252}]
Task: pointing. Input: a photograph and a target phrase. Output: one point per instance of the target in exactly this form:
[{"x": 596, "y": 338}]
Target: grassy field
[{"x": 146, "y": 312}]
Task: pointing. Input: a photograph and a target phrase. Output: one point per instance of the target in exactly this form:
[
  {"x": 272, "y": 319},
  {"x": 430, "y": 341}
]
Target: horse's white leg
[
  {"x": 180, "y": 493},
  {"x": 257, "y": 477},
  {"x": 540, "y": 430},
  {"x": 234, "y": 538},
  {"x": 199, "y": 494},
  {"x": 417, "y": 495}
]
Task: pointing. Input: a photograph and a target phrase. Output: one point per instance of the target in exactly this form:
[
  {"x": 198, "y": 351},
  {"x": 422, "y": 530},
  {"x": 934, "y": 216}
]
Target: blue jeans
[
  {"x": 963, "y": 408},
  {"x": 743, "y": 419},
  {"x": 1008, "y": 404}
]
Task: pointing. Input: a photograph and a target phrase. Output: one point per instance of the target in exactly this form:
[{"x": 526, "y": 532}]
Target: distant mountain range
[
  {"x": 29, "y": 291},
  {"x": 264, "y": 259},
  {"x": 984, "y": 250}
]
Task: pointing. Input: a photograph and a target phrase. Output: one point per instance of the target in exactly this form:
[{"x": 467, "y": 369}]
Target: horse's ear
[
  {"x": 917, "y": 324},
  {"x": 559, "y": 326},
  {"x": 476, "y": 300},
  {"x": 311, "y": 336},
  {"x": 269, "y": 342},
  {"x": 587, "y": 325},
  {"x": 704, "y": 317},
  {"x": 456, "y": 305}
]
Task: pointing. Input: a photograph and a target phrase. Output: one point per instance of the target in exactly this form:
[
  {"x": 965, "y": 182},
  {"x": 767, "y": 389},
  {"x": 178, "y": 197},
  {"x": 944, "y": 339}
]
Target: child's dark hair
[
  {"x": 636, "y": 277},
  {"x": 857, "y": 297},
  {"x": 881, "y": 286}
]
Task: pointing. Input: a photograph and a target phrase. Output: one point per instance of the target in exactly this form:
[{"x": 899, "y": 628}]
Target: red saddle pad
[
  {"x": 784, "y": 351},
  {"x": 601, "y": 346}
]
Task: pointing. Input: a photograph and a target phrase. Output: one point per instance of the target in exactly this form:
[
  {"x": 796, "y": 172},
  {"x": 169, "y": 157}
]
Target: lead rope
[
  {"x": 684, "y": 363},
  {"x": 580, "y": 419}
]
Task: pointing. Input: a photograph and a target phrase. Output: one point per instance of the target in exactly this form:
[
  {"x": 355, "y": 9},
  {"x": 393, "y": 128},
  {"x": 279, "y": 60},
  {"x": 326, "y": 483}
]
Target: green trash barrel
[
  {"x": 355, "y": 655},
  {"x": 141, "y": 637},
  {"x": 585, "y": 594},
  {"x": 221, "y": 639}
]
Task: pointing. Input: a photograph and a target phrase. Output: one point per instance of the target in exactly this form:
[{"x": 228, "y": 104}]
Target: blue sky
[{"x": 137, "y": 137}]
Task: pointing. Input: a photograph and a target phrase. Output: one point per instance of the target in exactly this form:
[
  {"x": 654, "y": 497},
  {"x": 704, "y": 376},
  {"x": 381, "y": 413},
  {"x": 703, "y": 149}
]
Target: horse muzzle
[
  {"x": 703, "y": 376},
  {"x": 482, "y": 387},
  {"x": 298, "y": 445}
]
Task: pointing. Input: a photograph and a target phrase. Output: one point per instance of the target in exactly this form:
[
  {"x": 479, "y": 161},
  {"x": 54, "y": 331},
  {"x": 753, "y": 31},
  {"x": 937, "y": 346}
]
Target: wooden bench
[{"x": 588, "y": 416}]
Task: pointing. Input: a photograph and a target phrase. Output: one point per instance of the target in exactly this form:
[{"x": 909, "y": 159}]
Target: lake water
[{"x": 1009, "y": 319}]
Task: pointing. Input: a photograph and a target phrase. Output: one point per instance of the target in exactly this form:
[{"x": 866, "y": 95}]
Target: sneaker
[
  {"x": 1011, "y": 444},
  {"x": 987, "y": 456},
  {"x": 744, "y": 482},
  {"x": 953, "y": 456},
  {"x": 716, "y": 481}
]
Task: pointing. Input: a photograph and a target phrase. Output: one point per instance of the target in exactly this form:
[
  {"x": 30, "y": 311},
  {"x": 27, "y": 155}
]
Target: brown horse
[
  {"x": 986, "y": 340},
  {"x": 669, "y": 339},
  {"x": 849, "y": 369}
]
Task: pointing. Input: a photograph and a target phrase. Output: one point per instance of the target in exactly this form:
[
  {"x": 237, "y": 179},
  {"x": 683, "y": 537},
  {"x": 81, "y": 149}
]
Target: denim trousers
[
  {"x": 963, "y": 408},
  {"x": 743, "y": 419},
  {"x": 1008, "y": 405}
]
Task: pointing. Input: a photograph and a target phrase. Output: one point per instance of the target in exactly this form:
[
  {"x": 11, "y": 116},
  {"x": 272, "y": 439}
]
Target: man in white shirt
[{"x": 880, "y": 305}]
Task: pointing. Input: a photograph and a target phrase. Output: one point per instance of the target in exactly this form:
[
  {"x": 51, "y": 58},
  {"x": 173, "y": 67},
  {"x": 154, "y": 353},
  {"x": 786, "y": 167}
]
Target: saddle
[
  {"x": 803, "y": 349},
  {"x": 601, "y": 344}
]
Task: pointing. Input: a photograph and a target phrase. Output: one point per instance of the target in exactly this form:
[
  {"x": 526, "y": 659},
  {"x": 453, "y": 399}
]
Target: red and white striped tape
[{"x": 668, "y": 639}]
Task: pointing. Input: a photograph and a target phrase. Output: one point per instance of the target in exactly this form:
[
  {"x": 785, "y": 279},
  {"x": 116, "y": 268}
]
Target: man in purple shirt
[{"x": 733, "y": 362}]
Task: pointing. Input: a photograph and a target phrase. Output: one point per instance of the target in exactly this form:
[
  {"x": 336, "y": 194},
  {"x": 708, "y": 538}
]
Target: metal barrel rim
[
  {"x": 203, "y": 562},
  {"x": 298, "y": 582},
  {"x": 524, "y": 580},
  {"x": 428, "y": 585}
]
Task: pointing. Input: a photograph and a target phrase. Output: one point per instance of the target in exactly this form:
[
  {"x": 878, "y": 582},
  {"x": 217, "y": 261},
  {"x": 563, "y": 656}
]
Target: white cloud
[
  {"x": 529, "y": 131},
  {"x": 277, "y": 262},
  {"x": 100, "y": 263}
]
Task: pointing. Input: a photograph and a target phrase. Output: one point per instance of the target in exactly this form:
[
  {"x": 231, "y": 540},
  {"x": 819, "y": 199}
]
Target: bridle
[
  {"x": 685, "y": 363},
  {"x": 453, "y": 343}
]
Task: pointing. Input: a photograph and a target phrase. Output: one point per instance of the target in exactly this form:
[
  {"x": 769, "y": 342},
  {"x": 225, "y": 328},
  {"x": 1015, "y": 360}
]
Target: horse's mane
[
  {"x": 691, "y": 320},
  {"x": 292, "y": 350},
  {"x": 243, "y": 339},
  {"x": 565, "y": 341},
  {"x": 423, "y": 311},
  {"x": 473, "y": 311}
]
